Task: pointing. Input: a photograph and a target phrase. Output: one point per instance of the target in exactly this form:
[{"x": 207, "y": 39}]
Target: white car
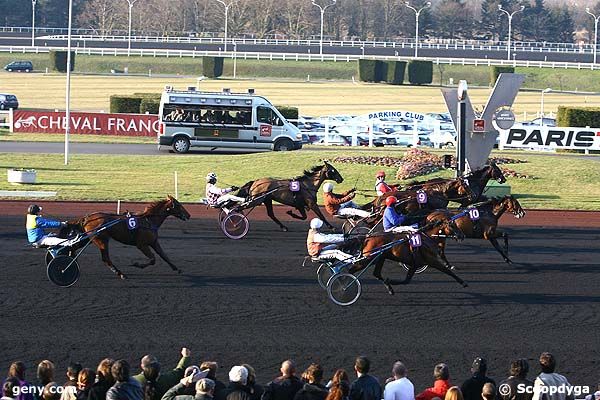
[{"x": 443, "y": 138}]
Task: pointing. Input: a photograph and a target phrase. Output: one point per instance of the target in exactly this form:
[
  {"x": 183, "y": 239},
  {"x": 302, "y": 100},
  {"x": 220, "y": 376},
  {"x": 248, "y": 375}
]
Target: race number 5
[
  {"x": 421, "y": 197},
  {"x": 474, "y": 214}
]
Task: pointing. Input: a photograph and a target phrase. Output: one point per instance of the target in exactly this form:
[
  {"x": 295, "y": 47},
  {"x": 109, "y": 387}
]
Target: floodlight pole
[
  {"x": 417, "y": 14},
  {"x": 322, "y": 19},
  {"x": 226, "y": 20},
  {"x": 510, "y": 17},
  {"x": 596, "y": 18},
  {"x": 33, "y": 3},
  {"x": 461, "y": 154},
  {"x": 68, "y": 89},
  {"x": 131, "y": 3}
]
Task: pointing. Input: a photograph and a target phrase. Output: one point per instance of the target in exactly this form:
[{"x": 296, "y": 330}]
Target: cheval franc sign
[
  {"x": 553, "y": 137},
  {"x": 25, "y": 121}
]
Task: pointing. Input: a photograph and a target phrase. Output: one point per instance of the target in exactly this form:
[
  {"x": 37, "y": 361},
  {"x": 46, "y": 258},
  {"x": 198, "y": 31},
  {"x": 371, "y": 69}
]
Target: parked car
[
  {"x": 19, "y": 66},
  {"x": 546, "y": 121},
  {"x": 8, "y": 101}
]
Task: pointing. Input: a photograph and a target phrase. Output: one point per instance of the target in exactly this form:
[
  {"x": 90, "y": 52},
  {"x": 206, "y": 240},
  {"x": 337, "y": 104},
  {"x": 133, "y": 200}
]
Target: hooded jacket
[{"x": 439, "y": 389}]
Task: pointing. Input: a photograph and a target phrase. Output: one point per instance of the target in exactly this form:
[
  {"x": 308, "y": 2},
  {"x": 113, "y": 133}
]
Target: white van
[{"x": 223, "y": 120}]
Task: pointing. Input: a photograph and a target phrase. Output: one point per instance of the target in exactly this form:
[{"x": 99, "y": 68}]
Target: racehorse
[
  {"x": 486, "y": 227},
  {"x": 304, "y": 198},
  {"x": 140, "y": 230},
  {"x": 414, "y": 257}
]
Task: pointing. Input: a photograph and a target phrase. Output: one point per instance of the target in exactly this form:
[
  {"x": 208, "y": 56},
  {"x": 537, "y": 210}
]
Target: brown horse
[
  {"x": 404, "y": 253},
  {"x": 140, "y": 230},
  {"x": 279, "y": 190},
  {"x": 486, "y": 227}
]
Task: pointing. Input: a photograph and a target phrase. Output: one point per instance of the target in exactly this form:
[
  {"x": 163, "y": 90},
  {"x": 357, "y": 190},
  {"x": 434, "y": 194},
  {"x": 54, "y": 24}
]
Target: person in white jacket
[
  {"x": 550, "y": 385},
  {"x": 216, "y": 196},
  {"x": 326, "y": 246}
]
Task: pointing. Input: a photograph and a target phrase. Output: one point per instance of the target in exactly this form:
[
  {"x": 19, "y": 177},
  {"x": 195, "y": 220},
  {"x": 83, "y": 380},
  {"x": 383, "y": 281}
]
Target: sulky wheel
[
  {"x": 63, "y": 252},
  {"x": 235, "y": 225},
  {"x": 222, "y": 215},
  {"x": 326, "y": 271},
  {"x": 419, "y": 270},
  {"x": 344, "y": 289},
  {"x": 63, "y": 271}
]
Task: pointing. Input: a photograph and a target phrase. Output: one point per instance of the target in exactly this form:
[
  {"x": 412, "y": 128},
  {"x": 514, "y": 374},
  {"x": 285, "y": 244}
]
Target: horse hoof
[
  {"x": 122, "y": 276},
  {"x": 465, "y": 285},
  {"x": 284, "y": 229}
]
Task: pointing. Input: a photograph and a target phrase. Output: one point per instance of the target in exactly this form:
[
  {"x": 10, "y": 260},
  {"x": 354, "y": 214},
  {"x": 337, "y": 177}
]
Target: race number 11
[{"x": 415, "y": 240}]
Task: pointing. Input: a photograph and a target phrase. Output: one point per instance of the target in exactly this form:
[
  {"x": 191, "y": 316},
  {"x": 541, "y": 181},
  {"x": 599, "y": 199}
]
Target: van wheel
[
  {"x": 181, "y": 144},
  {"x": 26, "y": 70},
  {"x": 9, "y": 70},
  {"x": 283, "y": 145}
]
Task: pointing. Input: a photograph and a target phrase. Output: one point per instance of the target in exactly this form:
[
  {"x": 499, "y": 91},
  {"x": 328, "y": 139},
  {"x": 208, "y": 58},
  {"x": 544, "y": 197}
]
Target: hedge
[
  {"x": 372, "y": 70},
  {"x": 149, "y": 105},
  {"x": 125, "y": 104},
  {"x": 495, "y": 71},
  {"x": 289, "y": 113},
  {"x": 578, "y": 117},
  {"x": 420, "y": 72},
  {"x": 154, "y": 96},
  {"x": 212, "y": 67},
  {"x": 58, "y": 60},
  {"x": 395, "y": 72}
]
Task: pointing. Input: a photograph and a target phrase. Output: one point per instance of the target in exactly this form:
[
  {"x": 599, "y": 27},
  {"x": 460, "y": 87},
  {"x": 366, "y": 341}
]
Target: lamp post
[
  {"x": 226, "y": 20},
  {"x": 131, "y": 3},
  {"x": 547, "y": 90},
  {"x": 510, "y": 17},
  {"x": 417, "y": 14},
  {"x": 234, "y": 58},
  {"x": 68, "y": 86},
  {"x": 461, "y": 154},
  {"x": 322, "y": 17},
  {"x": 33, "y": 3},
  {"x": 596, "y": 18}
]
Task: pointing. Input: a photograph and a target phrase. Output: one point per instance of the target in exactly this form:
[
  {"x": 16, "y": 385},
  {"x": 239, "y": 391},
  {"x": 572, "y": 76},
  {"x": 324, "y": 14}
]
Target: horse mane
[
  {"x": 310, "y": 172},
  {"x": 153, "y": 207}
]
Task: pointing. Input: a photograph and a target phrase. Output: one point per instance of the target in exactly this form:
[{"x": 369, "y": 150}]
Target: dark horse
[
  {"x": 144, "y": 236},
  {"x": 303, "y": 199},
  {"x": 414, "y": 257},
  {"x": 486, "y": 227}
]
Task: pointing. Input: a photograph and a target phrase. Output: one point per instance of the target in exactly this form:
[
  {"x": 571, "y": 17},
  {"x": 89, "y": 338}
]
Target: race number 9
[
  {"x": 421, "y": 197},
  {"x": 474, "y": 214}
]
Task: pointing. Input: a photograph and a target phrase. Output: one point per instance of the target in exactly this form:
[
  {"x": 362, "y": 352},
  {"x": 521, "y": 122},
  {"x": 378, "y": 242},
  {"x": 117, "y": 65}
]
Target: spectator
[
  {"x": 401, "y": 388},
  {"x": 285, "y": 386},
  {"x": 51, "y": 391},
  {"x": 441, "y": 375},
  {"x": 236, "y": 390},
  {"x": 212, "y": 367},
  {"x": 366, "y": 387},
  {"x": 190, "y": 389},
  {"x": 339, "y": 386},
  {"x": 150, "y": 373},
  {"x": 85, "y": 380},
  {"x": 125, "y": 387},
  {"x": 472, "y": 387},
  {"x": 166, "y": 380},
  {"x": 10, "y": 387},
  {"x": 104, "y": 380},
  {"x": 45, "y": 372},
  {"x": 70, "y": 387},
  {"x": 549, "y": 378},
  {"x": 312, "y": 389},
  {"x": 518, "y": 376},
  {"x": 254, "y": 389},
  {"x": 17, "y": 370},
  {"x": 338, "y": 377},
  {"x": 205, "y": 389},
  {"x": 453, "y": 393},
  {"x": 595, "y": 395},
  {"x": 489, "y": 391}
]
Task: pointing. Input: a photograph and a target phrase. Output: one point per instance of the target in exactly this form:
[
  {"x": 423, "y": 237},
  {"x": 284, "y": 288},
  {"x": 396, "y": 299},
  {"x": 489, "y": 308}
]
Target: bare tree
[{"x": 103, "y": 15}]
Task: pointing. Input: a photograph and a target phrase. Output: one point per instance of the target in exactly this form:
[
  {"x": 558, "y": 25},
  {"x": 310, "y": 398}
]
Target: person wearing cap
[
  {"x": 35, "y": 228},
  {"x": 325, "y": 246},
  {"x": 393, "y": 220},
  {"x": 341, "y": 204},
  {"x": 472, "y": 387},
  {"x": 216, "y": 196},
  {"x": 236, "y": 390},
  {"x": 508, "y": 388},
  {"x": 204, "y": 388},
  {"x": 380, "y": 186}
]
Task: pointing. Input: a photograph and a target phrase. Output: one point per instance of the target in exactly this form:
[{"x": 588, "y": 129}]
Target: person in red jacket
[
  {"x": 380, "y": 186},
  {"x": 441, "y": 374},
  {"x": 341, "y": 204}
]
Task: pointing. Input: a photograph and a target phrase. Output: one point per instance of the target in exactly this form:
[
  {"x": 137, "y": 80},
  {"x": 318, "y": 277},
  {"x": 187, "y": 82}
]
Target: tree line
[{"x": 358, "y": 19}]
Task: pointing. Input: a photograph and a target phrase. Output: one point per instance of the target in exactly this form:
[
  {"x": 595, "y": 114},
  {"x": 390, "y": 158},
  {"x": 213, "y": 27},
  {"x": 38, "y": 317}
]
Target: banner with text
[
  {"x": 546, "y": 137},
  {"x": 85, "y": 123}
]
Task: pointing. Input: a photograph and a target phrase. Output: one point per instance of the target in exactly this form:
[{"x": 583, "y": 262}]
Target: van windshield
[{"x": 268, "y": 116}]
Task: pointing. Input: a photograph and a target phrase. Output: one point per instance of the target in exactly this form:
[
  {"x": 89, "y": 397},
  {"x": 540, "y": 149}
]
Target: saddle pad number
[
  {"x": 415, "y": 240},
  {"x": 294, "y": 186},
  {"x": 421, "y": 197},
  {"x": 132, "y": 223},
  {"x": 474, "y": 214}
]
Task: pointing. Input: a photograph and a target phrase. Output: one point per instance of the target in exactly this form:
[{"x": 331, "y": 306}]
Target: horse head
[
  {"x": 513, "y": 206},
  {"x": 176, "y": 209},
  {"x": 331, "y": 173},
  {"x": 463, "y": 189},
  {"x": 444, "y": 225},
  {"x": 496, "y": 173}
]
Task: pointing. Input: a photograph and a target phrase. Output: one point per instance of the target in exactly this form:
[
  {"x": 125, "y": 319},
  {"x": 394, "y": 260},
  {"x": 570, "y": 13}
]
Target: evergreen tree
[
  {"x": 561, "y": 26},
  {"x": 535, "y": 22}
]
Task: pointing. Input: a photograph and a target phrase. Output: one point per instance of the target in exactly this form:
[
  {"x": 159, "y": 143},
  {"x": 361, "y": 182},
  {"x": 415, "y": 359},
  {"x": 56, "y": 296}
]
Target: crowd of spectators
[{"x": 113, "y": 380}]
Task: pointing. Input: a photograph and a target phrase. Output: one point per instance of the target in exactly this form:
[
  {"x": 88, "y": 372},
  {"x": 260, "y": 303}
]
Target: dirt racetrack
[{"x": 251, "y": 301}]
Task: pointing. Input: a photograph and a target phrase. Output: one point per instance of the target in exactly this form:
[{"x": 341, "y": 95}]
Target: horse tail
[{"x": 244, "y": 190}]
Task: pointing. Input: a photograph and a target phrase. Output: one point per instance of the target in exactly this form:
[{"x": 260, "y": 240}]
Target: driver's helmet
[
  {"x": 380, "y": 174},
  {"x": 316, "y": 223},
  {"x": 211, "y": 177},
  {"x": 390, "y": 201},
  {"x": 34, "y": 209},
  {"x": 328, "y": 187}
]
